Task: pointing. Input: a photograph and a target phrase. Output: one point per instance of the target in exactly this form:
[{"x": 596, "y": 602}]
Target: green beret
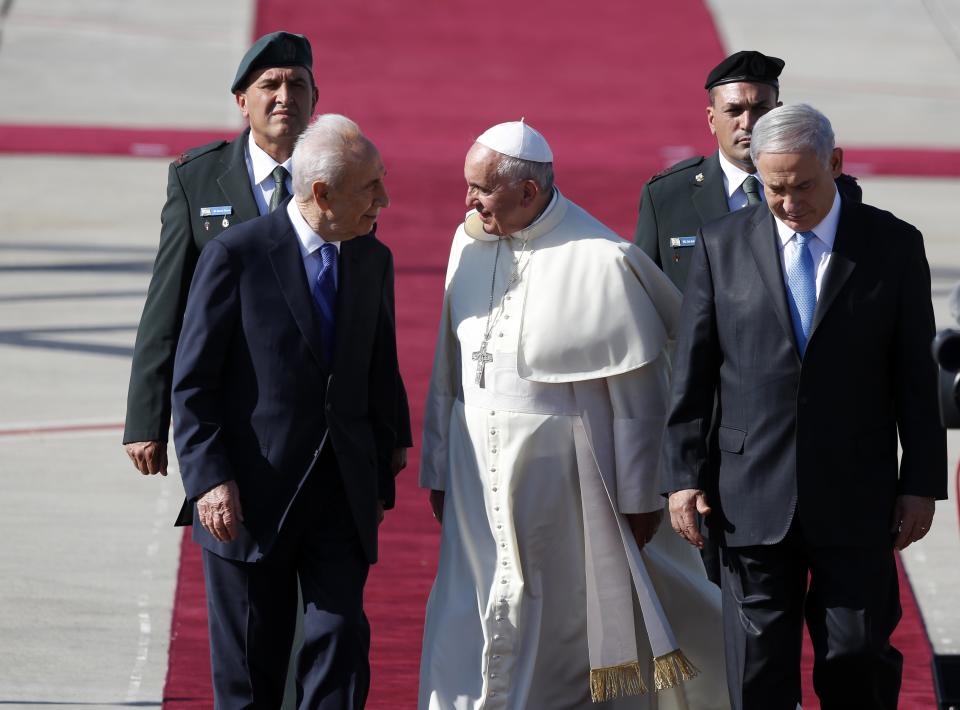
[
  {"x": 277, "y": 49},
  {"x": 746, "y": 66}
]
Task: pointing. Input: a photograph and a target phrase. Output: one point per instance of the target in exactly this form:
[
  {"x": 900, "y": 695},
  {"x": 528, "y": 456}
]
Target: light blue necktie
[
  {"x": 324, "y": 291},
  {"x": 802, "y": 288}
]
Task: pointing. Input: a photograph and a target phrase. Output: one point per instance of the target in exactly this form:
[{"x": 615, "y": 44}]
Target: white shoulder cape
[{"x": 596, "y": 305}]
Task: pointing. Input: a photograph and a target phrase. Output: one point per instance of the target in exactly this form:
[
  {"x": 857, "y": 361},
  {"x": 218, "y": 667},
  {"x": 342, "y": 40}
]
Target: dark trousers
[
  {"x": 851, "y": 607},
  {"x": 252, "y": 611}
]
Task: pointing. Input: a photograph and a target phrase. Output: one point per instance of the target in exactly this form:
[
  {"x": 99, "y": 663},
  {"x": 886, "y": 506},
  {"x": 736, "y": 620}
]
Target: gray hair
[
  {"x": 322, "y": 152},
  {"x": 517, "y": 170},
  {"x": 793, "y": 129}
]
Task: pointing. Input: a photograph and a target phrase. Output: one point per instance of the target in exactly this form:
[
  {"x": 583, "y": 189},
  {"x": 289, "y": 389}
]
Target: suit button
[
  {"x": 329, "y": 407},
  {"x": 804, "y": 399}
]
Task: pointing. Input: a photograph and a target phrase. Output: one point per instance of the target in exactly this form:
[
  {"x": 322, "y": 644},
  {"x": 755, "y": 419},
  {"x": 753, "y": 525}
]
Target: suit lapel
[
  {"x": 235, "y": 181},
  {"x": 841, "y": 265},
  {"x": 288, "y": 267},
  {"x": 353, "y": 291},
  {"x": 709, "y": 197},
  {"x": 763, "y": 243}
]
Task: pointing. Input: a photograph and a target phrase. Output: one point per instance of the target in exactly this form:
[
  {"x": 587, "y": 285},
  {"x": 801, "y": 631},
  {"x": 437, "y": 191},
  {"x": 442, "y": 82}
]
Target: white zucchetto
[{"x": 518, "y": 140}]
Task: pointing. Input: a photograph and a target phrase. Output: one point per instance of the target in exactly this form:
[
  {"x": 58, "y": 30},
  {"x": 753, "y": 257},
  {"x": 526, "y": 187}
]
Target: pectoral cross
[{"x": 482, "y": 357}]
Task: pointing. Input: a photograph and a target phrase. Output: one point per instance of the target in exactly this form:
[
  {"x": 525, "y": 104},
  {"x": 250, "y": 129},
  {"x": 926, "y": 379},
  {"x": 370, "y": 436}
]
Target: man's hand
[
  {"x": 684, "y": 506},
  {"x": 644, "y": 526},
  {"x": 912, "y": 518},
  {"x": 220, "y": 512},
  {"x": 398, "y": 461},
  {"x": 436, "y": 503},
  {"x": 148, "y": 457}
]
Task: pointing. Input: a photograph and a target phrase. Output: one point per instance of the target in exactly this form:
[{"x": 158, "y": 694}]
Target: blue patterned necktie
[
  {"x": 324, "y": 291},
  {"x": 802, "y": 287}
]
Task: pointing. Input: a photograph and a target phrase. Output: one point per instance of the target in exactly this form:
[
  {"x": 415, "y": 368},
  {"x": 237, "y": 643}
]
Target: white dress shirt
[
  {"x": 260, "y": 168},
  {"x": 309, "y": 243},
  {"x": 820, "y": 247},
  {"x": 733, "y": 178}
]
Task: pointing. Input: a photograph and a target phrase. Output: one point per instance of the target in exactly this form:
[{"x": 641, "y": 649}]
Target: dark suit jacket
[
  {"x": 214, "y": 175},
  {"x": 683, "y": 198},
  {"x": 252, "y": 397},
  {"x": 816, "y": 438}
]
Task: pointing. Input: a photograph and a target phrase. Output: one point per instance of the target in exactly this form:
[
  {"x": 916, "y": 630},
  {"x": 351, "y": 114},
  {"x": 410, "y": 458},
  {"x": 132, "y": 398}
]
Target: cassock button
[
  {"x": 492, "y": 411},
  {"x": 494, "y": 489},
  {"x": 493, "y": 693},
  {"x": 496, "y": 637}
]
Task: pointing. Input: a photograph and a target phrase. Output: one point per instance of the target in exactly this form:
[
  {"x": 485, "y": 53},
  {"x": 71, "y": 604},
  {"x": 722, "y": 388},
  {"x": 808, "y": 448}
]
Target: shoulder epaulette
[
  {"x": 682, "y": 165},
  {"x": 188, "y": 155}
]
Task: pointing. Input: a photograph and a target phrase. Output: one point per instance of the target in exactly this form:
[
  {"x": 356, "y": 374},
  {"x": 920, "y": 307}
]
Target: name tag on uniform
[
  {"x": 677, "y": 242},
  {"x": 216, "y": 211}
]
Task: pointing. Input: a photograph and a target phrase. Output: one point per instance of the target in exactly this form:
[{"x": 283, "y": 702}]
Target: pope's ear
[
  {"x": 321, "y": 194},
  {"x": 530, "y": 192}
]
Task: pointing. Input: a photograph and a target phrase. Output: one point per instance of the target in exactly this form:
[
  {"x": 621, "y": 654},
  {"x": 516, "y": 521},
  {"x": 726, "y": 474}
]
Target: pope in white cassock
[{"x": 541, "y": 445}]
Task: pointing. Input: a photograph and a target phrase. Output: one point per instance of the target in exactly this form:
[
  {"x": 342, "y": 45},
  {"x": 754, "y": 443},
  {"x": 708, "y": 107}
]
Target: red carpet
[{"x": 606, "y": 85}]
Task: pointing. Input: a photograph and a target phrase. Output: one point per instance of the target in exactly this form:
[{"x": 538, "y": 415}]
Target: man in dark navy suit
[
  {"x": 808, "y": 321},
  {"x": 285, "y": 410}
]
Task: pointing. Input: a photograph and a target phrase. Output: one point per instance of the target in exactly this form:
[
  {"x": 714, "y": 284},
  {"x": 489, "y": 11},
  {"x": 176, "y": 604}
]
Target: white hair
[
  {"x": 322, "y": 152},
  {"x": 516, "y": 170},
  {"x": 793, "y": 129}
]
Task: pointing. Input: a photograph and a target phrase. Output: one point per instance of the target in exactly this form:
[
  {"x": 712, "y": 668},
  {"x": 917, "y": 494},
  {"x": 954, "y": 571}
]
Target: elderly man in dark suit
[
  {"x": 809, "y": 319},
  {"x": 210, "y": 188},
  {"x": 285, "y": 417}
]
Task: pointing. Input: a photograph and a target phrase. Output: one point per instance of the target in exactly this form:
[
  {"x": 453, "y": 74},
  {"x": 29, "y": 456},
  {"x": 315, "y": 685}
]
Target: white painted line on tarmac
[{"x": 160, "y": 515}]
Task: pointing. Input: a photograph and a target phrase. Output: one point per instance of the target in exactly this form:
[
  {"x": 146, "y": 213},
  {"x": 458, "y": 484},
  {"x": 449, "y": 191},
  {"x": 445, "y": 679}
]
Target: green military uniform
[
  {"x": 211, "y": 178},
  {"x": 677, "y": 202}
]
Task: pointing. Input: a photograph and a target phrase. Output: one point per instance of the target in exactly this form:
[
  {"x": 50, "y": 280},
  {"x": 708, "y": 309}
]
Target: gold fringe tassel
[
  {"x": 616, "y": 681},
  {"x": 672, "y": 669}
]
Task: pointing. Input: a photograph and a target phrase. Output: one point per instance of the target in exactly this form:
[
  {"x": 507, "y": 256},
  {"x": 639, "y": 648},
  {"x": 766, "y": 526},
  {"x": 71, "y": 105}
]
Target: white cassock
[{"x": 578, "y": 382}]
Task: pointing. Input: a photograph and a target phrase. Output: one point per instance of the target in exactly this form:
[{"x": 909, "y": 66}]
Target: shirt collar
[
  {"x": 308, "y": 240},
  {"x": 826, "y": 231},
  {"x": 734, "y": 175},
  {"x": 262, "y": 163}
]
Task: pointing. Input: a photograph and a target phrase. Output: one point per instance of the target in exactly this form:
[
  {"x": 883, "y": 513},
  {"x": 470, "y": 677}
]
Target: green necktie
[
  {"x": 280, "y": 189},
  {"x": 751, "y": 187}
]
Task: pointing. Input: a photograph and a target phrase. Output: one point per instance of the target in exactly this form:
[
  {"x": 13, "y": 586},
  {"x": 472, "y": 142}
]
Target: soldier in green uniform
[
  {"x": 677, "y": 202},
  {"x": 208, "y": 189},
  {"x": 684, "y": 197}
]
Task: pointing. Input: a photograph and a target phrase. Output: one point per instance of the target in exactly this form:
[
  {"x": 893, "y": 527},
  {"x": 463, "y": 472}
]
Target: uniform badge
[
  {"x": 680, "y": 242},
  {"x": 216, "y": 211},
  {"x": 698, "y": 177}
]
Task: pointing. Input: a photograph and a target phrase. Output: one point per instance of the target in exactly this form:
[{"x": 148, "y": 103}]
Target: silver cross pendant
[{"x": 481, "y": 357}]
